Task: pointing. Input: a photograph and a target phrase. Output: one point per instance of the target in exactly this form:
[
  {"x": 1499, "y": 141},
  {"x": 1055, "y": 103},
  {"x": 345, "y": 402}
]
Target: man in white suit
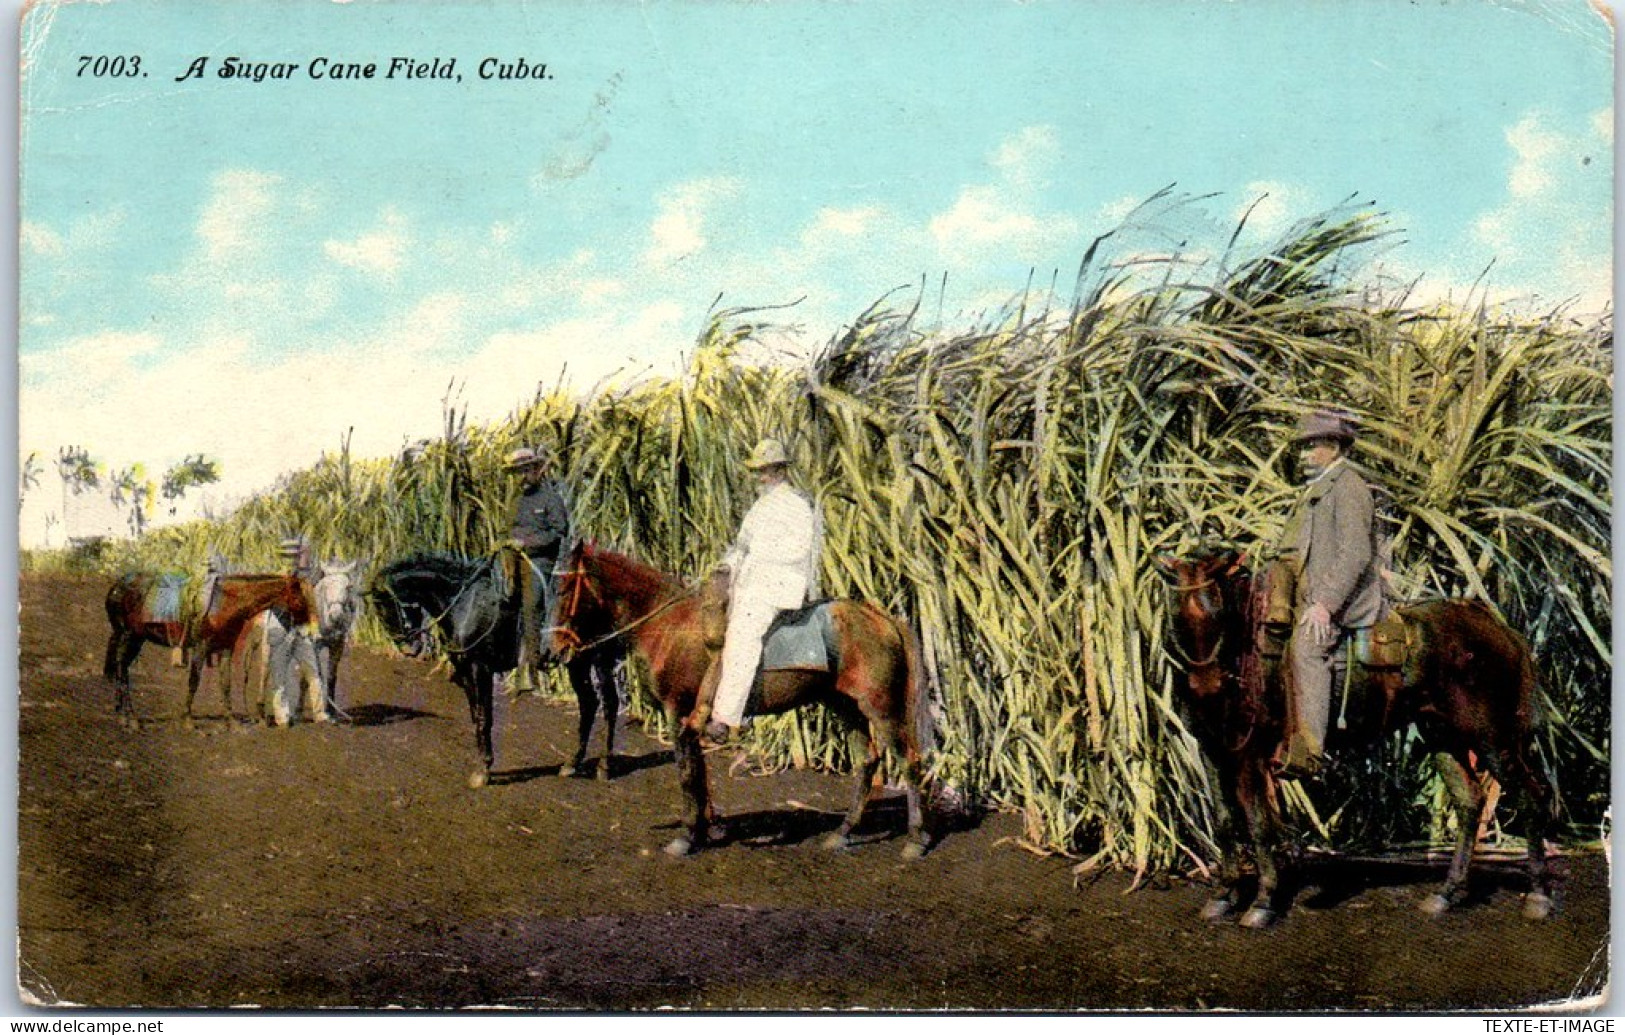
[{"x": 773, "y": 567}]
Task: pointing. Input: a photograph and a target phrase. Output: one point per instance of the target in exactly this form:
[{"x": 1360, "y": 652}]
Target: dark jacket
[
  {"x": 1332, "y": 539},
  {"x": 541, "y": 521}
]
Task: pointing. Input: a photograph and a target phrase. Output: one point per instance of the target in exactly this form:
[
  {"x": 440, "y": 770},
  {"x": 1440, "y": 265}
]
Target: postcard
[{"x": 1066, "y": 507}]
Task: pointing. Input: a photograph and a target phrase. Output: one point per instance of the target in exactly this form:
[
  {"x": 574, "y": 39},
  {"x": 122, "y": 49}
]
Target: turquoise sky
[{"x": 248, "y": 269}]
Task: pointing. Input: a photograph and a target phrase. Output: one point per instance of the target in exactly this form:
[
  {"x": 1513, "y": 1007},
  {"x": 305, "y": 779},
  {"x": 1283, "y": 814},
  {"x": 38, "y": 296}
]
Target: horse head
[
  {"x": 406, "y": 618},
  {"x": 338, "y": 599},
  {"x": 1207, "y": 616},
  {"x": 580, "y": 613}
]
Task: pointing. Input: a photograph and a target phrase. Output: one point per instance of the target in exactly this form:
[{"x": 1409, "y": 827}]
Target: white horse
[{"x": 296, "y": 659}]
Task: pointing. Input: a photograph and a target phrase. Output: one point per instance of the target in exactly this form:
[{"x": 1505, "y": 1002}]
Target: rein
[
  {"x": 1190, "y": 663},
  {"x": 579, "y": 575},
  {"x": 1185, "y": 660}
]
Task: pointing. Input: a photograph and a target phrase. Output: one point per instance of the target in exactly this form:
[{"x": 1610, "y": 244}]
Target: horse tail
[{"x": 919, "y": 728}]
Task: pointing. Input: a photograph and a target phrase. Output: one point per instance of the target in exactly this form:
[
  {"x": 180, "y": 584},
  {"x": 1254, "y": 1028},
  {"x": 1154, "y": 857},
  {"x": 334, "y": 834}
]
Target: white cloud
[
  {"x": 988, "y": 219},
  {"x": 678, "y": 230},
  {"x": 1025, "y": 158},
  {"x": 1550, "y": 236},
  {"x": 981, "y": 216},
  {"x": 1270, "y": 207},
  {"x": 239, "y": 215},
  {"x": 380, "y": 251},
  {"x": 840, "y": 225},
  {"x": 41, "y": 240},
  {"x": 1536, "y": 149}
]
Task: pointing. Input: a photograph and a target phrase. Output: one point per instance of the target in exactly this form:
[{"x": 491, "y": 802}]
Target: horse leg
[
  {"x": 865, "y": 760},
  {"x": 1256, "y": 792},
  {"x": 194, "y": 676},
  {"x": 1231, "y": 831},
  {"x": 477, "y": 686},
  {"x": 124, "y": 699},
  {"x": 1468, "y": 799},
  {"x": 223, "y": 667},
  {"x": 691, "y": 775},
  {"x": 1515, "y": 769},
  {"x": 609, "y": 705},
  {"x": 579, "y": 671}
]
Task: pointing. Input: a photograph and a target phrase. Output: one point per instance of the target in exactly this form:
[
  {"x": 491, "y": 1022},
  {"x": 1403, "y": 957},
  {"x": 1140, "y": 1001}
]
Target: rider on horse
[
  {"x": 1330, "y": 548},
  {"x": 772, "y": 567},
  {"x": 541, "y": 525}
]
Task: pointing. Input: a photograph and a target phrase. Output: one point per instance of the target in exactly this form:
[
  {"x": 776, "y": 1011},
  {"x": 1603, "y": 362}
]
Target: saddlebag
[{"x": 1384, "y": 645}]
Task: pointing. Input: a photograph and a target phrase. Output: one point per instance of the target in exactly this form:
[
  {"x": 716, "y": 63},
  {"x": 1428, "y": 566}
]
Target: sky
[{"x": 251, "y": 269}]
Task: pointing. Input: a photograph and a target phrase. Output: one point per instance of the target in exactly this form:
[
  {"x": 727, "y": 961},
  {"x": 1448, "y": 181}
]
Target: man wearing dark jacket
[
  {"x": 1329, "y": 540},
  {"x": 541, "y": 524}
]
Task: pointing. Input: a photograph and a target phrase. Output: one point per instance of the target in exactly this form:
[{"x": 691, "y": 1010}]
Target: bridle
[
  {"x": 419, "y": 636},
  {"x": 572, "y": 583},
  {"x": 1184, "y": 661}
]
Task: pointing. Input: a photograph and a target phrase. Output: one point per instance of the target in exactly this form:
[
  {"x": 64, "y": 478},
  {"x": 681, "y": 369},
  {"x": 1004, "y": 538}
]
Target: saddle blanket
[
  {"x": 803, "y": 639},
  {"x": 164, "y": 599}
]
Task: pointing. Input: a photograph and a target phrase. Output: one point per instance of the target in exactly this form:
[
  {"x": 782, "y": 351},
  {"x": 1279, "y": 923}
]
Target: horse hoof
[
  {"x": 1435, "y": 905},
  {"x": 566, "y": 771},
  {"x": 1538, "y": 906},
  {"x": 478, "y": 778},
  {"x": 679, "y": 847},
  {"x": 1258, "y": 918},
  {"x": 836, "y": 842},
  {"x": 914, "y": 851},
  {"x": 604, "y": 773},
  {"x": 1217, "y": 909}
]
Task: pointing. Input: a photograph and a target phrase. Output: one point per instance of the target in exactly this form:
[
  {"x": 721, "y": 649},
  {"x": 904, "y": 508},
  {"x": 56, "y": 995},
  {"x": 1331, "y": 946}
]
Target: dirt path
[{"x": 352, "y": 866}]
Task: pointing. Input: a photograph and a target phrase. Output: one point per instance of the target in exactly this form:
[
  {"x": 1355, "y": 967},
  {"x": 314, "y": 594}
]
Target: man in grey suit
[{"x": 1330, "y": 543}]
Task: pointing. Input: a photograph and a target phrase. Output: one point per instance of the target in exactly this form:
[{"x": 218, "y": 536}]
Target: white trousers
[{"x": 741, "y": 653}]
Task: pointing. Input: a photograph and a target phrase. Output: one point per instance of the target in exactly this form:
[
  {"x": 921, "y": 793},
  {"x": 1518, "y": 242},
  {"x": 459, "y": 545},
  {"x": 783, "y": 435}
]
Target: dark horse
[
  {"x": 1466, "y": 681},
  {"x": 473, "y": 607},
  {"x": 872, "y": 685},
  {"x": 137, "y": 617}
]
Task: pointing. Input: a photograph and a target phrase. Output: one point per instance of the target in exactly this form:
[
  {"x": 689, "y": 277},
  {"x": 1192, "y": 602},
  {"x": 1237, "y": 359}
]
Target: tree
[
  {"x": 131, "y": 487},
  {"x": 78, "y": 472},
  {"x": 28, "y": 478},
  {"x": 190, "y": 472}
]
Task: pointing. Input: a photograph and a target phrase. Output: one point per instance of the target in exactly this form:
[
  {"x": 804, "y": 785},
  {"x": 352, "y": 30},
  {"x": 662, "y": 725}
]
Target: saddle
[
  {"x": 803, "y": 639},
  {"x": 1380, "y": 647}
]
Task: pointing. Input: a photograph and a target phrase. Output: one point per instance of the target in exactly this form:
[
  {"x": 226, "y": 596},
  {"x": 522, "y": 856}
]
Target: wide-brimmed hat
[
  {"x": 1325, "y": 424},
  {"x": 769, "y": 452},
  {"x": 524, "y": 457}
]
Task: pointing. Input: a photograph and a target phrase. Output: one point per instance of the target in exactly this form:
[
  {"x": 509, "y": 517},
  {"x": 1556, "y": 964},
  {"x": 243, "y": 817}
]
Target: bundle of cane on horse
[
  {"x": 147, "y": 608},
  {"x": 1460, "y": 676},
  {"x": 469, "y": 610},
  {"x": 871, "y": 682}
]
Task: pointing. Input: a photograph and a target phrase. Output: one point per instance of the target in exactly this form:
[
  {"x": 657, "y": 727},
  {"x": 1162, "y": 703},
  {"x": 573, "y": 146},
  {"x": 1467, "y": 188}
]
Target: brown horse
[
  {"x": 137, "y": 617},
  {"x": 872, "y": 685},
  {"x": 1466, "y": 682}
]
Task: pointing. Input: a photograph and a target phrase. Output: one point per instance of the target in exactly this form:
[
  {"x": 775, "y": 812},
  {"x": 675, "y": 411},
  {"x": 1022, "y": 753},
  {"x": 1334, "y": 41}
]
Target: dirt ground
[{"x": 352, "y": 866}]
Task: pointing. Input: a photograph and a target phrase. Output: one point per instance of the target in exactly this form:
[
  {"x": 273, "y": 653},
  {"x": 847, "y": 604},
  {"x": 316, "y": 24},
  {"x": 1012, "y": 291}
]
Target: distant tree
[
  {"x": 78, "y": 472},
  {"x": 28, "y": 477},
  {"x": 131, "y": 488},
  {"x": 190, "y": 472}
]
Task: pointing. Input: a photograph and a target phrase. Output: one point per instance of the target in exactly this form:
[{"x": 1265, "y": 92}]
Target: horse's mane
[
  {"x": 623, "y": 575},
  {"x": 439, "y": 564}
]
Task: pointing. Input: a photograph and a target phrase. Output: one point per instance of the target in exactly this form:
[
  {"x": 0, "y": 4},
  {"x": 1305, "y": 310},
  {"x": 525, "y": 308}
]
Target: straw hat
[
  {"x": 522, "y": 458},
  {"x": 769, "y": 452},
  {"x": 1325, "y": 424}
]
